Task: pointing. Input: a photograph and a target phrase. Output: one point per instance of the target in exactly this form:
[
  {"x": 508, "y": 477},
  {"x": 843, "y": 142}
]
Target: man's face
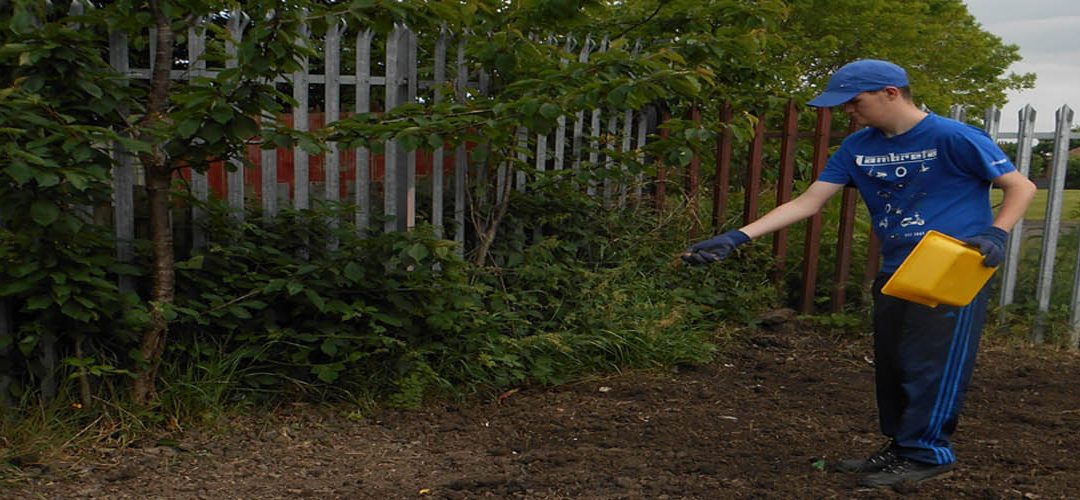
[{"x": 868, "y": 109}]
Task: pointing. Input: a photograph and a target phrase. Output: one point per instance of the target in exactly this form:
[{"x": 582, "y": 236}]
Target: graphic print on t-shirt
[{"x": 897, "y": 172}]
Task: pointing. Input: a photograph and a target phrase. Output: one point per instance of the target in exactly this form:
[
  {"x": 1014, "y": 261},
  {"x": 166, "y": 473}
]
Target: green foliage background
[{"x": 268, "y": 311}]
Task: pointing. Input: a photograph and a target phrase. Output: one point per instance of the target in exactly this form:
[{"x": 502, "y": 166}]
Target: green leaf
[
  {"x": 329, "y": 347},
  {"x": 195, "y": 262},
  {"x": 244, "y": 127},
  {"x": 480, "y": 153},
  {"x": 46, "y": 179},
  {"x": 316, "y": 300},
  {"x": 90, "y": 88},
  {"x": 528, "y": 108},
  {"x": 239, "y": 312},
  {"x": 326, "y": 373},
  {"x": 22, "y": 269},
  {"x": 133, "y": 145},
  {"x": 435, "y": 141},
  {"x": 212, "y": 132},
  {"x": 44, "y": 212},
  {"x": 222, "y": 114},
  {"x": 23, "y": 22},
  {"x": 294, "y": 287},
  {"x": 169, "y": 312},
  {"x": 16, "y": 287},
  {"x": 78, "y": 362},
  {"x": 76, "y": 179},
  {"x": 75, "y": 310},
  {"x": 417, "y": 251},
  {"x": 27, "y": 344},
  {"x": 550, "y": 111},
  {"x": 353, "y": 272},
  {"x": 274, "y": 285},
  {"x": 409, "y": 142},
  {"x": 61, "y": 292},
  {"x": 39, "y": 302},
  {"x": 187, "y": 128},
  {"x": 20, "y": 172}
]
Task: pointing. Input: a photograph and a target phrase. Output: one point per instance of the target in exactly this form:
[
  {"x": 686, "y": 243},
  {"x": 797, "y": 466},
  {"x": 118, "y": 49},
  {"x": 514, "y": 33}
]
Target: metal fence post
[
  {"x": 957, "y": 112},
  {"x": 1025, "y": 136},
  {"x": 1052, "y": 223}
]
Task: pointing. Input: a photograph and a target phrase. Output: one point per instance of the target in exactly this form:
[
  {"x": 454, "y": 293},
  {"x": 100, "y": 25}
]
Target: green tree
[
  {"x": 197, "y": 121},
  {"x": 950, "y": 57},
  {"x": 59, "y": 106}
]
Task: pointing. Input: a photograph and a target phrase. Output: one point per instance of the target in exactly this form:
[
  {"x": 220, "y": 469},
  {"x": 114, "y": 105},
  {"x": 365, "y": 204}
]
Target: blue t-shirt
[{"x": 935, "y": 176}]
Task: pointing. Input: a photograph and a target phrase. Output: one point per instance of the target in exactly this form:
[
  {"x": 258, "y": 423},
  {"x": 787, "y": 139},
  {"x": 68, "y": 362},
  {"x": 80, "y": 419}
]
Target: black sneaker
[
  {"x": 874, "y": 463},
  {"x": 904, "y": 472}
]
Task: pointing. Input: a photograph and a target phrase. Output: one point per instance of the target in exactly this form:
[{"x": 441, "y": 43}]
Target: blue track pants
[{"x": 923, "y": 359}]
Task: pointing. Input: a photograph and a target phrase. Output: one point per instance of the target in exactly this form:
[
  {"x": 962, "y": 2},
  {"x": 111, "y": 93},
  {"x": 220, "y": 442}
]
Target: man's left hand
[{"x": 991, "y": 243}]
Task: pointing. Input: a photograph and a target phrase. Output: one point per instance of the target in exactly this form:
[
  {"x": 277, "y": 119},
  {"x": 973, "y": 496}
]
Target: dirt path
[{"x": 752, "y": 425}]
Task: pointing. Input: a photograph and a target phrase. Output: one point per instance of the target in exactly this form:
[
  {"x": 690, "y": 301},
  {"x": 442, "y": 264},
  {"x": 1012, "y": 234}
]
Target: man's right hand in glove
[{"x": 714, "y": 249}]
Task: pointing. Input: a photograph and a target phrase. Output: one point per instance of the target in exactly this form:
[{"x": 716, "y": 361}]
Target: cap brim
[{"x": 831, "y": 98}]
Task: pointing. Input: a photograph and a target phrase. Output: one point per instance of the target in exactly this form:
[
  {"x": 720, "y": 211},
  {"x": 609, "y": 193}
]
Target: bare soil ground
[{"x": 757, "y": 423}]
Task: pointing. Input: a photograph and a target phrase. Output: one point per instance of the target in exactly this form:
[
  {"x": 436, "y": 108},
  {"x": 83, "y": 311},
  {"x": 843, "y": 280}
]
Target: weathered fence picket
[
  {"x": 437, "y": 169},
  {"x": 845, "y": 238},
  {"x": 363, "y": 155},
  {"x": 200, "y": 188},
  {"x": 722, "y": 177},
  {"x": 579, "y": 121},
  {"x": 639, "y": 180},
  {"x": 786, "y": 180},
  {"x": 811, "y": 250},
  {"x": 752, "y": 182},
  {"x": 332, "y": 105},
  {"x": 693, "y": 179},
  {"x": 123, "y": 175},
  {"x": 461, "y": 162},
  {"x": 235, "y": 176}
]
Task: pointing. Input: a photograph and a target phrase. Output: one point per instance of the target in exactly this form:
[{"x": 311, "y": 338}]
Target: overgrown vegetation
[{"x": 555, "y": 284}]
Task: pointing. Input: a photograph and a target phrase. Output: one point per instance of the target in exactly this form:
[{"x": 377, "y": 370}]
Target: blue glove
[
  {"x": 715, "y": 248},
  {"x": 991, "y": 243}
]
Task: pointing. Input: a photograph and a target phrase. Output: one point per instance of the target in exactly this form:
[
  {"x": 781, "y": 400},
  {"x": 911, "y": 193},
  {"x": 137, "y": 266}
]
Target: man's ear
[{"x": 893, "y": 92}]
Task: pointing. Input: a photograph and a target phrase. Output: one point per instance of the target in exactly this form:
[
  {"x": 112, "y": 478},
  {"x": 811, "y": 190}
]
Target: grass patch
[{"x": 1070, "y": 204}]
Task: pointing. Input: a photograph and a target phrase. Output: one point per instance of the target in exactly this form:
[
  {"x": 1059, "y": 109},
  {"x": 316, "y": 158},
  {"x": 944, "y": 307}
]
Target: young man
[{"x": 916, "y": 172}]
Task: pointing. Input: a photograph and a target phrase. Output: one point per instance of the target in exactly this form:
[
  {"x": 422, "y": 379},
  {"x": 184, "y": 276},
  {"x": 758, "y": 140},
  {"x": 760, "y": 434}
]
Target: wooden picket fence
[{"x": 575, "y": 144}]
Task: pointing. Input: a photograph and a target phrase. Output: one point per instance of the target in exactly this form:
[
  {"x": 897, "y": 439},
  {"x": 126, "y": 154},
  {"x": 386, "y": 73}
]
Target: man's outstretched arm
[{"x": 803, "y": 206}]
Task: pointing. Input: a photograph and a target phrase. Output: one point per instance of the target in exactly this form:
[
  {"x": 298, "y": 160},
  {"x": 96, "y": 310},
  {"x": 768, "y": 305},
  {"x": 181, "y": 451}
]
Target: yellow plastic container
[{"x": 940, "y": 270}]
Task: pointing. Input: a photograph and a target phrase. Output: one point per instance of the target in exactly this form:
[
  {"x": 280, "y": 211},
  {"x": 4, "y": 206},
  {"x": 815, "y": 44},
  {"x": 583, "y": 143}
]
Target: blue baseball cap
[{"x": 854, "y": 78}]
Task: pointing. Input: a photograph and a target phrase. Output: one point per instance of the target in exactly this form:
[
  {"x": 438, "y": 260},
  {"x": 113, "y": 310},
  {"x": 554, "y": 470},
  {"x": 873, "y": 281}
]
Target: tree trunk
[
  {"x": 158, "y": 182},
  {"x": 488, "y": 229}
]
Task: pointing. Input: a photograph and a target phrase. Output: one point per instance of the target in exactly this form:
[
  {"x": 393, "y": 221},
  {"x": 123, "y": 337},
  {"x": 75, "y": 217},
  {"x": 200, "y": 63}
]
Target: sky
[{"x": 1048, "y": 34}]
